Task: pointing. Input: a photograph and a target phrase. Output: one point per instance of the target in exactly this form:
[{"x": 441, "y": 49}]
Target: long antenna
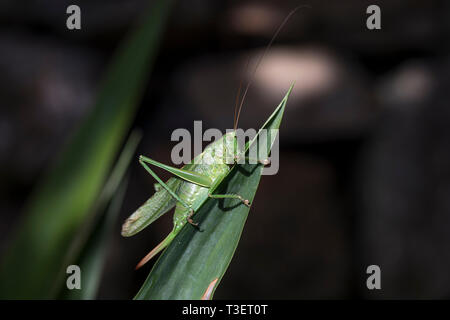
[
  {"x": 238, "y": 95},
  {"x": 236, "y": 104},
  {"x": 262, "y": 57}
]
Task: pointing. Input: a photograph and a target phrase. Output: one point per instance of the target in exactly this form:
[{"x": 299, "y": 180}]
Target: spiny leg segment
[
  {"x": 194, "y": 177},
  {"x": 172, "y": 193}
]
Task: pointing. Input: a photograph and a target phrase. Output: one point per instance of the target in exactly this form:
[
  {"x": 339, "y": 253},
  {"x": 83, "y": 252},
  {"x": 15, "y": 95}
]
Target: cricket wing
[{"x": 152, "y": 209}]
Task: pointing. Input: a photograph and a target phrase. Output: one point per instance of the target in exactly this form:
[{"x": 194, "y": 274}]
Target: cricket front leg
[
  {"x": 213, "y": 188},
  {"x": 230, "y": 196}
]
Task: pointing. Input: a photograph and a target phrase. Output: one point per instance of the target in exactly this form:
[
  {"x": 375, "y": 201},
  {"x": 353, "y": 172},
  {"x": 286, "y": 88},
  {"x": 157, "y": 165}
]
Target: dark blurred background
[{"x": 364, "y": 145}]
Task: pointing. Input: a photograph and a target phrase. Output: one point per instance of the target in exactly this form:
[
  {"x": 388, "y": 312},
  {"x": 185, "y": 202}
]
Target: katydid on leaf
[
  {"x": 192, "y": 185},
  {"x": 197, "y": 181}
]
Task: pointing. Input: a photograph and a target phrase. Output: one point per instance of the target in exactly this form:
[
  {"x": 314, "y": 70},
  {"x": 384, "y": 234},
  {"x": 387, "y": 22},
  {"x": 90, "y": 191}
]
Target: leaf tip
[{"x": 290, "y": 90}]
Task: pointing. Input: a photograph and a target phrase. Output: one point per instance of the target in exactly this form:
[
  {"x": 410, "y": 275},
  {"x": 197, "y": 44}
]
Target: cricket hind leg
[
  {"x": 163, "y": 184},
  {"x": 189, "y": 176},
  {"x": 171, "y": 192}
]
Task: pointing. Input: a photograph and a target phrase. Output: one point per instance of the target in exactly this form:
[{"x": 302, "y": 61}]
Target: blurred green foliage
[{"x": 65, "y": 197}]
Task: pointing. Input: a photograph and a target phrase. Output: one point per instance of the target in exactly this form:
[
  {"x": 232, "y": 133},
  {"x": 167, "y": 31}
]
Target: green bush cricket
[{"x": 197, "y": 181}]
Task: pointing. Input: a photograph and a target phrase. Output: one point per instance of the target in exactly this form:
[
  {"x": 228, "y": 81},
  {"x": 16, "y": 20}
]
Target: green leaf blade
[{"x": 62, "y": 200}]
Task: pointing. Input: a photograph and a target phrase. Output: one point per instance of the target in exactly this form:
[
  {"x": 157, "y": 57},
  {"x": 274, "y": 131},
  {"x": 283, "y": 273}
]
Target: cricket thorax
[{"x": 220, "y": 152}]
